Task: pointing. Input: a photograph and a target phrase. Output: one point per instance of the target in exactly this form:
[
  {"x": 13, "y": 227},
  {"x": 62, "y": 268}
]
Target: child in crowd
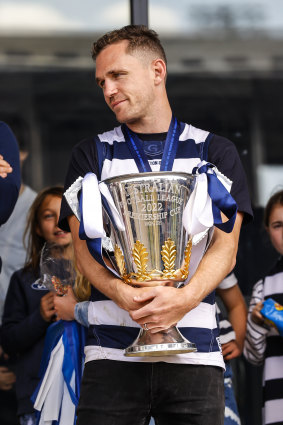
[
  {"x": 29, "y": 306},
  {"x": 263, "y": 343}
]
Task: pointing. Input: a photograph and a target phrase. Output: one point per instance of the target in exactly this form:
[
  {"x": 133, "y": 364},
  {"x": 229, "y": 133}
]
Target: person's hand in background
[
  {"x": 10, "y": 173},
  {"x": 256, "y": 316},
  {"x": 5, "y": 167},
  {"x": 47, "y": 309},
  {"x": 231, "y": 350}
]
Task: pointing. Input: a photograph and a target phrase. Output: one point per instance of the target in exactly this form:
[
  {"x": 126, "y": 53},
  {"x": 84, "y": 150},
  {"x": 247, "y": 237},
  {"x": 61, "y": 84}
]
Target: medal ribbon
[{"x": 170, "y": 148}]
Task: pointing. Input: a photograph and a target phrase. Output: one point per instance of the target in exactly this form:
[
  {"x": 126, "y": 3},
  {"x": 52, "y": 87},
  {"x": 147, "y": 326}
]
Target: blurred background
[{"x": 225, "y": 63}]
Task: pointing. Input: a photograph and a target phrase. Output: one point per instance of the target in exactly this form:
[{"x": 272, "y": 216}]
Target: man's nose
[{"x": 110, "y": 88}]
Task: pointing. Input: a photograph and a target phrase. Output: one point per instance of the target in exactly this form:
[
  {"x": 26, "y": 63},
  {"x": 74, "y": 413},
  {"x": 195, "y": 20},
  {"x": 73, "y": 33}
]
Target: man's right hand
[
  {"x": 126, "y": 294},
  {"x": 5, "y": 167},
  {"x": 7, "y": 379},
  {"x": 47, "y": 309}
]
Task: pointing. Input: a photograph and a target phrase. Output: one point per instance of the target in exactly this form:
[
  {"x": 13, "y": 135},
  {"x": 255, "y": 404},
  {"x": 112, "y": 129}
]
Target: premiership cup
[{"x": 144, "y": 219}]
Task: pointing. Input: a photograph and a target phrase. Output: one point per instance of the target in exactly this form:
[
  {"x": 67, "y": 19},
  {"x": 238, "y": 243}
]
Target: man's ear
[{"x": 159, "y": 68}]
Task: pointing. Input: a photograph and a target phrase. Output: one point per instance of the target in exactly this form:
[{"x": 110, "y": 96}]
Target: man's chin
[
  {"x": 126, "y": 119},
  {"x": 122, "y": 118}
]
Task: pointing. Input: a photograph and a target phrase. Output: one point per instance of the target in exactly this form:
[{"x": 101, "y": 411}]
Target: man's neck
[{"x": 159, "y": 123}]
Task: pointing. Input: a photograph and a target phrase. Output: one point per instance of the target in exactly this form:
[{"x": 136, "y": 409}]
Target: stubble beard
[{"x": 132, "y": 116}]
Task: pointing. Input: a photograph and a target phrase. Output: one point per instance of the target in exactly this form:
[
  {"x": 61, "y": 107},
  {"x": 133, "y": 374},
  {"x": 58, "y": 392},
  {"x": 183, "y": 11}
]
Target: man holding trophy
[{"x": 155, "y": 230}]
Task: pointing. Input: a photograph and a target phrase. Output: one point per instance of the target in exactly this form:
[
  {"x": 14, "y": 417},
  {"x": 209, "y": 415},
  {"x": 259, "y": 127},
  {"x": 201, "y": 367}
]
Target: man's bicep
[
  {"x": 74, "y": 227},
  {"x": 227, "y": 243},
  {"x": 233, "y": 236},
  {"x": 83, "y": 160},
  {"x": 83, "y": 257}
]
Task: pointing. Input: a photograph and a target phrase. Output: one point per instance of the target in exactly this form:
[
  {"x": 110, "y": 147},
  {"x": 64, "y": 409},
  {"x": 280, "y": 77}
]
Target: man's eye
[
  {"x": 100, "y": 83},
  {"x": 277, "y": 225},
  {"x": 118, "y": 74}
]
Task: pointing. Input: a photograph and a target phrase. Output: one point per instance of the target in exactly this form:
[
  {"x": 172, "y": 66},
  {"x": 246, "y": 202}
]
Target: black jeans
[{"x": 129, "y": 393}]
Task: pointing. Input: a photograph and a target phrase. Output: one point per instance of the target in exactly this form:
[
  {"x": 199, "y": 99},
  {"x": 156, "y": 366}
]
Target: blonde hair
[{"x": 82, "y": 287}]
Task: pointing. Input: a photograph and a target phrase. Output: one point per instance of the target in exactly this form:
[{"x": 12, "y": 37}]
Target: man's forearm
[{"x": 218, "y": 261}]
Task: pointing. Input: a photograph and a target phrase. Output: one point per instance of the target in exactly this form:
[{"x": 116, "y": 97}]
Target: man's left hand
[{"x": 165, "y": 307}]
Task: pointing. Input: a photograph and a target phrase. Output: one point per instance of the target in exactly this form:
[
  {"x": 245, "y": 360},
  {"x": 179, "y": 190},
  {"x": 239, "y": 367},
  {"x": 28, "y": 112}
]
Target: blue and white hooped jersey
[
  {"x": 111, "y": 329},
  {"x": 117, "y": 159}
]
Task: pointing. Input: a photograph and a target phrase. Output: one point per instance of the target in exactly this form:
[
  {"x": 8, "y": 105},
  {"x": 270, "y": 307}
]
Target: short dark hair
[
  {"x": 138, "y": 36},
  {"x": 276, "y": 199}
]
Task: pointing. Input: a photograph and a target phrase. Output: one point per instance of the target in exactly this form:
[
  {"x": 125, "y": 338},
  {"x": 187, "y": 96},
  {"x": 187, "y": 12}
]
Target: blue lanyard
[{"x": 170, "y": 148}]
